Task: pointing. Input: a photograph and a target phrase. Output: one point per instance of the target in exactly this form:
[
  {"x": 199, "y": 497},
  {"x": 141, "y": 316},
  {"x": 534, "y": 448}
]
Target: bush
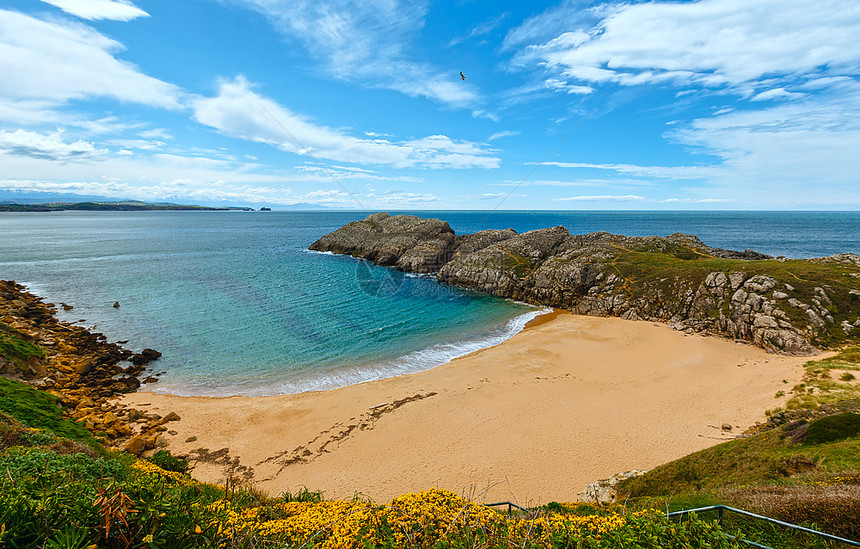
[
  {"x": 831, "y": 428},
  {"x": 168, "y": 462}
]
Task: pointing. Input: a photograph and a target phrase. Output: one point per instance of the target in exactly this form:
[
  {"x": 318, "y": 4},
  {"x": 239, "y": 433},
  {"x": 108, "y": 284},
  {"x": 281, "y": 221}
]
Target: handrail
[
  {"x": 722, "y": 508},
  {"x": 509, "y": 504}
]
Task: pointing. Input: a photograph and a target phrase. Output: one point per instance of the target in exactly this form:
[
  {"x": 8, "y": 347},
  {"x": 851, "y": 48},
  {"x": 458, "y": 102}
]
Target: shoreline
[
  {"x": 411, "y": 362},
  {"x": 566, "y": 401}
]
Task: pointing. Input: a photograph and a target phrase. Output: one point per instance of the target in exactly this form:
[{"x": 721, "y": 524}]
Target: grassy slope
[
  {"x": 16, "y": 349},
  {"x": 770, "y": 473},
  {"x": 39, "y": 410},
  {"x": 646, "y": 270}
]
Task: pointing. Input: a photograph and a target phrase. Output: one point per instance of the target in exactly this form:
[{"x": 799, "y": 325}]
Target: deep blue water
[{"x": 239, "y": 306}]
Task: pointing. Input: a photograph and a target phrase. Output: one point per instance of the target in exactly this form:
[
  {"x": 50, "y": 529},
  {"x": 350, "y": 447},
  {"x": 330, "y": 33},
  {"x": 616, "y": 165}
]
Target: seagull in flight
[{"x": 462, "y": 76}]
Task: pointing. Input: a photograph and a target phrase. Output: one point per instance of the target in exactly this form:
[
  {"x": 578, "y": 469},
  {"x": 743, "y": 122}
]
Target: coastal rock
[
  {"x": 79, "y": 367},
  {"x": 135, "y": 446},
  {"x": 145, "y": 357},
  {"x": 172, "y": 416},
  {"x": 643, "y": 278},
  {"x": 406, "y": 241},
  {"x": 604, "y": 491}
]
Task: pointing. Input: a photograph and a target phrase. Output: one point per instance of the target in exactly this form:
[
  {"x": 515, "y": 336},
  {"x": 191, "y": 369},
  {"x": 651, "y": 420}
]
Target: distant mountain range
[{"x": 68, "y": 201}]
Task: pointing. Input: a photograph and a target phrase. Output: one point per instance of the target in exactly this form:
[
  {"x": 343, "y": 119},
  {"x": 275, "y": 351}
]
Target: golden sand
[{"x": 569, "y": 400}]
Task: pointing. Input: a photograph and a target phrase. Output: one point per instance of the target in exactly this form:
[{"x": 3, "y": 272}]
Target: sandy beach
[{"x": 569, "y": 400}]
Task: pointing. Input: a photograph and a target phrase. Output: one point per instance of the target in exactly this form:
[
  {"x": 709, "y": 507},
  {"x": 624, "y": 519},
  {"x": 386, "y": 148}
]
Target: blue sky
[{"x": 712, "y": 104}]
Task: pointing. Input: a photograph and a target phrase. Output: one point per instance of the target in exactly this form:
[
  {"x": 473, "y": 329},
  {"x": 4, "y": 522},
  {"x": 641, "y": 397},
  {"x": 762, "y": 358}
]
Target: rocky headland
[
  {"x": 790, "y": 306},
  {"x": 81, "y": 368}
]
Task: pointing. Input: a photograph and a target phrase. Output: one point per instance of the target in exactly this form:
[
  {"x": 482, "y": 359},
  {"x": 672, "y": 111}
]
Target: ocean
[{"x": 239, "y": 306}]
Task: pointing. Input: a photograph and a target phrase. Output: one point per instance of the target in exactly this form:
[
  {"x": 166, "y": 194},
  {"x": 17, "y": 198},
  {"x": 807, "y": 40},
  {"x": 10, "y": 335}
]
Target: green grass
[
  {"x": 15, "y": 349},
  {"x": 819, "y": 388},
  {"x": 767, "y": 457},
  {"x": 168, "y": 462},
  {"x": 768, "y": 473},
  {"x": 39, "y": 410},
  {"x": 833, "y": 428},
  {"x": 680, "y": 267}
]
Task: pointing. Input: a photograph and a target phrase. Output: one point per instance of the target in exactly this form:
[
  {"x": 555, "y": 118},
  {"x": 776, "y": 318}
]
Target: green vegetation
[
  {"x": 168, "y": 462},
  {"x": 521, "y": 265},
  {"x": 675, "y": 269},
  {"x": 40, "y": 410},
  {"x": 833, "y": 428},
  {"x": 819, "y": 388},
  {"x": 805, "y": 471},
  {"x": 58, "y": 494},
  {"x": 15, "y": 348}
]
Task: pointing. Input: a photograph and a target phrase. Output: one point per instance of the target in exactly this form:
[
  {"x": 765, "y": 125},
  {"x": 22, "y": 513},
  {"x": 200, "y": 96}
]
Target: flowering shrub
[
  {"x": 439, "y": 518},
  {"x": 153, "y": 470},
  {"x": 75, "y": 500}
]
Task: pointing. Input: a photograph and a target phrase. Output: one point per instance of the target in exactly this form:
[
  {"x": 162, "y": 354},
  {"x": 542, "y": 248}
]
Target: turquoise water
[{"x": 237, "y": 304}]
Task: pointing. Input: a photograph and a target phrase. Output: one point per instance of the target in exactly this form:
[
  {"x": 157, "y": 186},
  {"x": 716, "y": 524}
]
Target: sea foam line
[{"x": 410, "y": 363}]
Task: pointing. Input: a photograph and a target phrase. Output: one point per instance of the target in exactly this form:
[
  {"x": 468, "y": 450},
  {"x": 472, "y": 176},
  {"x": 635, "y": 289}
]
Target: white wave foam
[
  {"x": 306, "y": 250},
  {"x": 416, "y": 361}
]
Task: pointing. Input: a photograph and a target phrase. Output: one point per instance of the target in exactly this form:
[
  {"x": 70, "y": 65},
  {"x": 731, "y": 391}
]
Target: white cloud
[
  {"x": 566, "y": 183},
  {"x": 48, "y": 63},
  {"x": 804, "y": 151},
  {"x": 606, "y": 197},
  {"x": 325, "y": 195},
  {"x": 493, "y": 196},
  {"x": 791, "y": 139},
  {"x": 699, "y": 201},
  {"x": 489, "y": 115},
  {"x": 499, "y": 135},
  {"x": 482, "y": 28},
  {"x": 50, "y": 146},
  {"x": 142, "y": 144},
  {"x": 48, "y": 162},
  {"x": 776, "y": 93},
  {"x": 570, "y": 14},
  {"x": 238, "y": 111},
  {"x": 562, "y": 86},
  {"x": 793, "y": 155},
  {"x": 709, "y": 43},
  {"x": 657, "y": 172},
  {"x": 157, "y": 133},
  {"x": 366, "y": 42},
  {"x": 390, "y": 198},
  {"x": 115, "y": 10},
  {"x": 340, "y": 173}
]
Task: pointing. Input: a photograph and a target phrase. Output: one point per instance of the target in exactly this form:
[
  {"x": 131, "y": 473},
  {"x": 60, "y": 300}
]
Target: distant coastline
[{"x": 113, "y": 207}]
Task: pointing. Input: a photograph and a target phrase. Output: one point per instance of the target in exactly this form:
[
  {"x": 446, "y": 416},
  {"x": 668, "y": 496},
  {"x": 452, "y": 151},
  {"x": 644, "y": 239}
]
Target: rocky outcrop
[
  {"x": 606, "y": 490},
  {"x": 409, "y": 243},
  {"x": 782, "y": 305},
  {"x": 80, "y": 367}
]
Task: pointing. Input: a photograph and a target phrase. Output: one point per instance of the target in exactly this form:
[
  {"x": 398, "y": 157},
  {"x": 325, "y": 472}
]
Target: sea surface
[{"x": 238, "y": 305}]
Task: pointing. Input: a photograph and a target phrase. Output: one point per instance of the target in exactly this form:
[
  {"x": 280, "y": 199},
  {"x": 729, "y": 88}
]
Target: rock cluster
[
  {"x": 605, "y": 491},
  {"x": 80, "y": 367},
  {"x": 678, "y": 279}
]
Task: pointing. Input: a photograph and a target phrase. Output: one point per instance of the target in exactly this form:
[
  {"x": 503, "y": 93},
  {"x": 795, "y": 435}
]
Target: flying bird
[{"x": 462, "y": 76}]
